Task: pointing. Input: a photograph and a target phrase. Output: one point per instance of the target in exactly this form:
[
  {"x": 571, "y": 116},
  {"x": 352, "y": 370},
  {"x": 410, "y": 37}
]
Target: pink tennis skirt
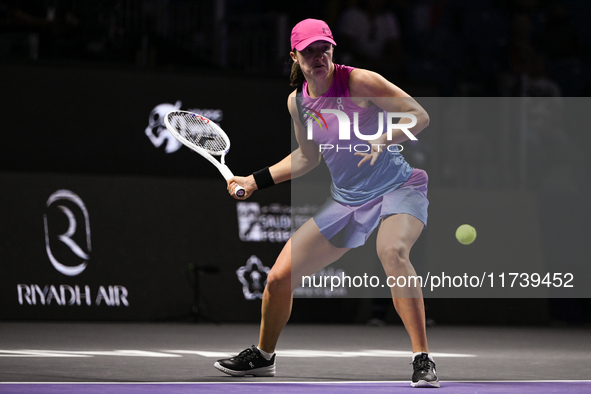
[{"x": 349, "y": 226}]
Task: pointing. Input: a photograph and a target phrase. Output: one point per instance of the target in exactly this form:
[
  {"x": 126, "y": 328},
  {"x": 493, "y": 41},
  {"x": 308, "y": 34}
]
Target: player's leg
[
  {"x": 396, "y": 236},
  {"x": 305, "y": 253}
]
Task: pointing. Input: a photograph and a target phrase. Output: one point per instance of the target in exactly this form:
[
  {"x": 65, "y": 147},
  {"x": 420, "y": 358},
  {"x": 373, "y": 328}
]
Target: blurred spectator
[
  {"x": 48, "y": 24},
  {"x": 452, "y": 47},
  {"x": 539, "y": 83},
  {"x": 559, "y": 39},
  {"x": 562, "y": 45},
  {"x": 525, "y": 72},
  {"x": 437, "y": 51},
  {"x": 369, "y": 37},
  {"x": 28, "y": 21},
  {"x": 521, "y": 45},
  {"x": 526, "y": 76}
]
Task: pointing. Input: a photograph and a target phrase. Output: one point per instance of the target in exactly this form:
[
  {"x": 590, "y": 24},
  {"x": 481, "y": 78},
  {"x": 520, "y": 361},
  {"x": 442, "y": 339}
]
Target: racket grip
[{"x": 239, "y": 190}]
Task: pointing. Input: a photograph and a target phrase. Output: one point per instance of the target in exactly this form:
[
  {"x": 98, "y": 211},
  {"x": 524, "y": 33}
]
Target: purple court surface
[
  {"x": 309, "y": 388},
  {"x": 42, "y": 357}
]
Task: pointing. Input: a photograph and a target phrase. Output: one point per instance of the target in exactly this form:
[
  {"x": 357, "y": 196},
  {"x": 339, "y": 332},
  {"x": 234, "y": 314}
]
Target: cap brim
[{"x": 301, "y": 45}]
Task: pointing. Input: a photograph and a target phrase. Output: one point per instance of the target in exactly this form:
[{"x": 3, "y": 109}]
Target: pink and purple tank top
[{"x": 351, "y": 185}]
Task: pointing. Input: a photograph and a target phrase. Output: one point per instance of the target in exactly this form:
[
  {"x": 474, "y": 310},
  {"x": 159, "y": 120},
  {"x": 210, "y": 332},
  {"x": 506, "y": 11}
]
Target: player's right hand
[{"x": 247, "y": 183}]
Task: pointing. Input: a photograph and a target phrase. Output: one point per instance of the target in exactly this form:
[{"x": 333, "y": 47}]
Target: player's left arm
[{"x": 390, "y": 98}]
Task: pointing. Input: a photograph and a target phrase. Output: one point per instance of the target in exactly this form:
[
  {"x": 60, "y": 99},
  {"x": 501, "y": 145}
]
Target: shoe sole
[
  {"x": 264, "y": 371},
  {"x": 425, "y": 384}
]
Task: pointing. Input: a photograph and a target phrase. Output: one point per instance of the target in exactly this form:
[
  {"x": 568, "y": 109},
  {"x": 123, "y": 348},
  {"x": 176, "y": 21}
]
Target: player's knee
[
  {"x": 278, "y": 283},
  {"x": 394, "y": 256}
]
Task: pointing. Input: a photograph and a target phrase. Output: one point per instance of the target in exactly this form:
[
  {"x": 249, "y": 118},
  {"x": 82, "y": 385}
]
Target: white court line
[
  {"x": 92, "y": 353},
  {"x": 307, "y": 353},
  {"x": 201, "y": 353},
  {"x": 298, "y": 353},
  {"x": 37, "y": 353}
]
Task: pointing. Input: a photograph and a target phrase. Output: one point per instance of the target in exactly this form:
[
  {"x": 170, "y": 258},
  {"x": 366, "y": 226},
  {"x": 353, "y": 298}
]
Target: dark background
[{"x": 77, "y": 92}]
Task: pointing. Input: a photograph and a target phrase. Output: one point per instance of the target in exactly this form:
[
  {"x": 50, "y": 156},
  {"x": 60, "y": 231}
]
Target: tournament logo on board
[
  {"x": 159, "y": 135},
  {"x": 253, "y": 277}
]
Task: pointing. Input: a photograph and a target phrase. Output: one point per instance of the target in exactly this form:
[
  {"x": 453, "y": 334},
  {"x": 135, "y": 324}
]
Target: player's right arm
[
  {"x": 304, "y": 158},
  {"x": 299, "y": 162}
]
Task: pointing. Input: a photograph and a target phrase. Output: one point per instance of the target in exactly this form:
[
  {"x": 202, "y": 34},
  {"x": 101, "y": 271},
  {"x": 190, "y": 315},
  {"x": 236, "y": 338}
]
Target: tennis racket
[{"x": 204, "y": 137}]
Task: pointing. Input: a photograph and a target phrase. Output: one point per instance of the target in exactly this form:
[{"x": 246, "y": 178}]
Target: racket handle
[{"x": 239, "y": 191}]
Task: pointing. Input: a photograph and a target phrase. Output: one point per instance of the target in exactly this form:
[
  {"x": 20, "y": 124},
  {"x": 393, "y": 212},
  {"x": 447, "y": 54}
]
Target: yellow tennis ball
[{"x": 466, "y": 234}]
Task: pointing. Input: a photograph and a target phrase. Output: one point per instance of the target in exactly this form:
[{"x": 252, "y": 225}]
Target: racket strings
[{"x": 200, "y": 133}]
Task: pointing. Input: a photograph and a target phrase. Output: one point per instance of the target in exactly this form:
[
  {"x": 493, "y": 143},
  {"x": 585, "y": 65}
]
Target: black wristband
[{"x": 263, "y": 178}]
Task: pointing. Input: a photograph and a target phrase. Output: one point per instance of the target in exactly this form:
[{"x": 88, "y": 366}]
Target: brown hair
[{"x": 296, "y": 77}]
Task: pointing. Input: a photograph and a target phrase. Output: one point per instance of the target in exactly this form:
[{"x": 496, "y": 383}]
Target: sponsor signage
[
  {"x": 67, "y": 229},
  {"x": 159, "y": 135},
  {"x": 273, "y": 222},
  {"x": 263, "y": 223}
]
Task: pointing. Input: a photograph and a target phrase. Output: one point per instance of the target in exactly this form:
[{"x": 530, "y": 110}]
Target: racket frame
[{"x": 220, "y": 165}]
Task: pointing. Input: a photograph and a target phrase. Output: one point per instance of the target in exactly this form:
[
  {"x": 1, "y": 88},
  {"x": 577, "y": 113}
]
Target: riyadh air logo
[
  {"x": 253, "y": 277},
  {"x": 67, "y": 232}
]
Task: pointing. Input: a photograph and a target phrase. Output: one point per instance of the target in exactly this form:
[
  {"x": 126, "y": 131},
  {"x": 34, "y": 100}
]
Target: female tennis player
[{"x": 371, "y": 188}]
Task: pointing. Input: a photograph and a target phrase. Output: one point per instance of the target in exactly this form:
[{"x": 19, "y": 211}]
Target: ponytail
[{"x": 296, "y": 78}]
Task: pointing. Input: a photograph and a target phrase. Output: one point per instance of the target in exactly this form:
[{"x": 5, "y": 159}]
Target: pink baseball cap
[{"x": 308, "y": 31}]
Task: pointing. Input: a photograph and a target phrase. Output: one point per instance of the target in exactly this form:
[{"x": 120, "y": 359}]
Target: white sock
[
  {"x": 419, "y": 353},
  {"x": 266, "y": 355}
]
